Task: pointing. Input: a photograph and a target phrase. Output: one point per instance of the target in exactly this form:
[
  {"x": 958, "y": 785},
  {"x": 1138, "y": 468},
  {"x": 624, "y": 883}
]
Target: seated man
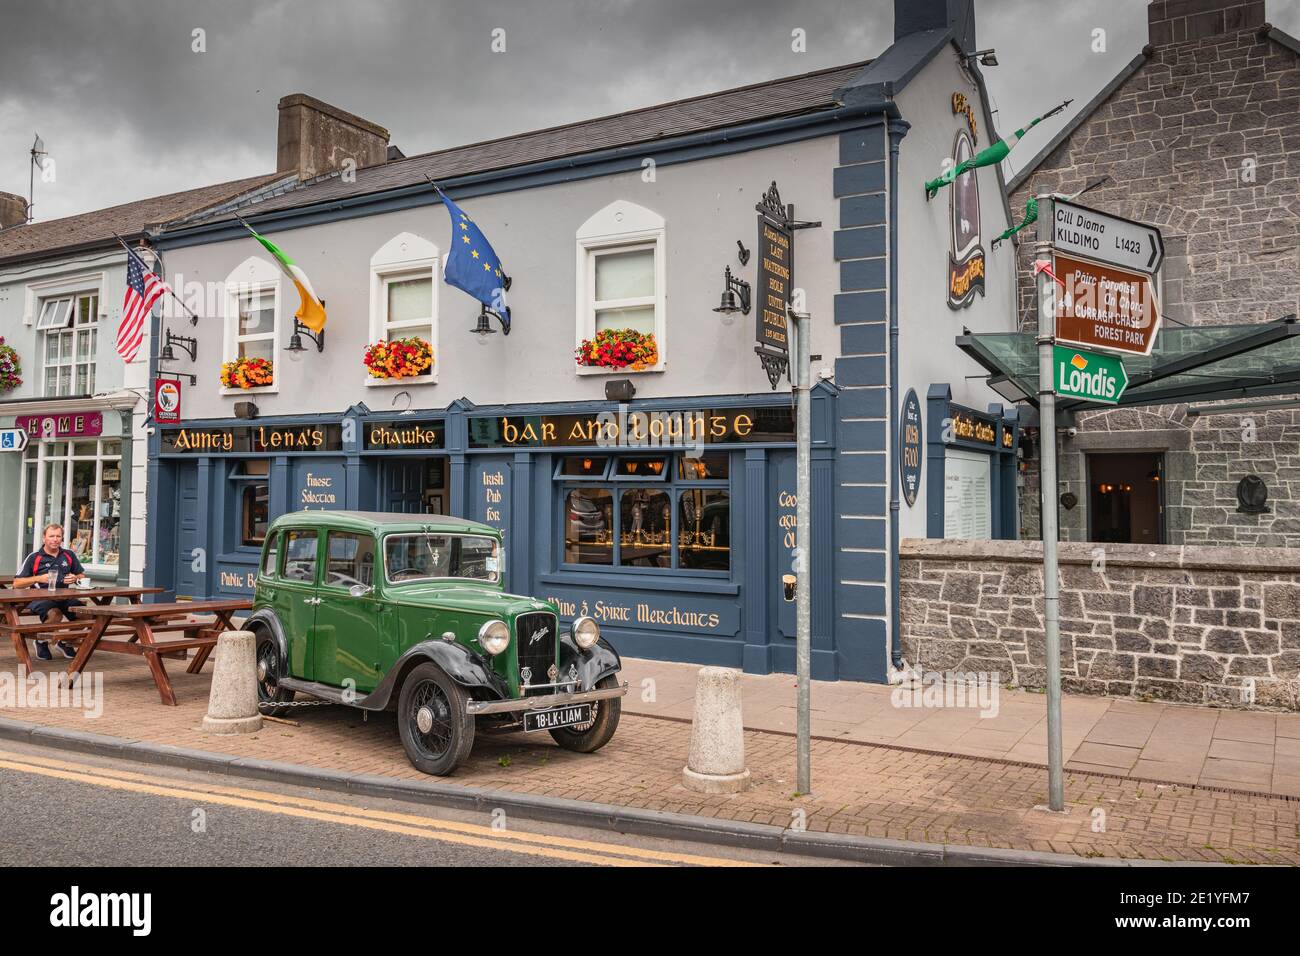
[{"x": 54, "y": 559}]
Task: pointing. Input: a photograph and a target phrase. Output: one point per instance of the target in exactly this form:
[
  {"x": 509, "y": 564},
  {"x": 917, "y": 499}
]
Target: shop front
[
  {"x": 669, "y": 521},
  {"x": 74, "y": 471}
]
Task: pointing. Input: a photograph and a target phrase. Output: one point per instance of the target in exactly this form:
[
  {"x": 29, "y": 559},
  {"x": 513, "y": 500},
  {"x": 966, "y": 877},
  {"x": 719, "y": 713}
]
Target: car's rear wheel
[
  {"x": 595, "y": 733},
  {"x": 436, "y": 731},
  {"x": 270, "y": 695}
]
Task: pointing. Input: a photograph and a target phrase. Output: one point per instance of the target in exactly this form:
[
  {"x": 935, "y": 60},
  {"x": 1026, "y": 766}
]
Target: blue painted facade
[{"x": 735, "y": 617}]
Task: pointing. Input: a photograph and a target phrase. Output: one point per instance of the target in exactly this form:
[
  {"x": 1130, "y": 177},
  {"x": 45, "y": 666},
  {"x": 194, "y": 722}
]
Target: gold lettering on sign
[
  {"x": 186, "y": 440},
  {"x": 492, "y": 497},
  {"x": 788, "y": 519},
  {"x": 318, "y": 491},
  {"x": 383, "y": 435}
]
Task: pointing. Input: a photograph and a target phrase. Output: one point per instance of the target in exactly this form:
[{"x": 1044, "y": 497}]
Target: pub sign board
[
  {"x": 254, "y": 439},
  {"x": 775, "y": 275},
  {"x": 626, "y": 428},
  {"x": 62, "y": 425},
  {"x": 909, "y": 447},
  {"x": 167, "y": 401}
]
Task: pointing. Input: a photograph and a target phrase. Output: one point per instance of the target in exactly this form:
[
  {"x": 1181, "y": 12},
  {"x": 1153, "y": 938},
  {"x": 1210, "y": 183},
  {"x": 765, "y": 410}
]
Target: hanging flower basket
[
  {"x": 247, "y": 373},
  {"x": 400, "y": 358},
  {"x": 11, "y": 369},
  {"x": 619, "y": 348}
]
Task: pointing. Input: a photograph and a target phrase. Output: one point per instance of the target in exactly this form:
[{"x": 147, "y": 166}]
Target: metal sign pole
[
  {"x": 803, "y": 522},
  {"x": 1047, "y": 456}
]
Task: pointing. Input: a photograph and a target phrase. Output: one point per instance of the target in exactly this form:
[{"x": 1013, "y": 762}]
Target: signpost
[
  {"x": 1108, "y": 304},
  {"x": 1103, "y": 307},
  {"x": 1090, "y": 376},
  {"x": 13, "y": 439},
  {"x": 1106, "y": 238}
]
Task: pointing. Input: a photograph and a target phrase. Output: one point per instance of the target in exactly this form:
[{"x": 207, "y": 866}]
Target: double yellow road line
[{"x": 405, "y": 824}]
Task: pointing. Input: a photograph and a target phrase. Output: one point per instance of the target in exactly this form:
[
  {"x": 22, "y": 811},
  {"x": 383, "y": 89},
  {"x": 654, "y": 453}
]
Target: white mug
[{"x": 84, "y": 584}]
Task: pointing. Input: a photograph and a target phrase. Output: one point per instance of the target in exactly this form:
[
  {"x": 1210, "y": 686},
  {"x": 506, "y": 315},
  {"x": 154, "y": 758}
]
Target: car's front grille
[{"x": 535, "y": 639}]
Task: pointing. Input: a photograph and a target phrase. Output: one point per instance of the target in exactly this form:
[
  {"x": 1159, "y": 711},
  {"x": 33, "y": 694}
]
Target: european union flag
[{"x": 473, "y": 266}]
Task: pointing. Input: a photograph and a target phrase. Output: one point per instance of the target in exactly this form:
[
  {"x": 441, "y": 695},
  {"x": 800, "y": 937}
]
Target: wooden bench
[{"x": 75, "y": 631}]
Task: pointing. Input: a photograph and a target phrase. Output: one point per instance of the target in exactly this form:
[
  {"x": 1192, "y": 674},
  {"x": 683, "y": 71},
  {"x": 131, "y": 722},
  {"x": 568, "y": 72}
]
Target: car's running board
[{"x": 335, "y": 695}]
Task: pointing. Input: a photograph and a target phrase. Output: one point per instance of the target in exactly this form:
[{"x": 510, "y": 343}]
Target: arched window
[
  {"x": 252, "y": 315},
  {"x": 404, "y": 277},
  {"x": 620, "y": 276}
]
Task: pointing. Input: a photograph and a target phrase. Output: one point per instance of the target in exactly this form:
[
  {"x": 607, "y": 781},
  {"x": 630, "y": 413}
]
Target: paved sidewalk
[
  {"x": 1171, "y": 743},
  {"x": 859, "y": 787}
]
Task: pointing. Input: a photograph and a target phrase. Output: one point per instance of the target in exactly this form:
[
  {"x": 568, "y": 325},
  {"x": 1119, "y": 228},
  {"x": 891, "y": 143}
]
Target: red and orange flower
[
  {"x": 247, "y": 373},
  {"x": 400, "y": 358},
  {"x": 619, "y": 348}
]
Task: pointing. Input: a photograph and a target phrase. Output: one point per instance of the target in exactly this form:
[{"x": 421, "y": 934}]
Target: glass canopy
[{"x": 1201, "y": 363}]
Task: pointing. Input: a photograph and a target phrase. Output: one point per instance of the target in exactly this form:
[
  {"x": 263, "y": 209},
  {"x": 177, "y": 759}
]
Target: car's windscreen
[{"x": 414, "y": 557}]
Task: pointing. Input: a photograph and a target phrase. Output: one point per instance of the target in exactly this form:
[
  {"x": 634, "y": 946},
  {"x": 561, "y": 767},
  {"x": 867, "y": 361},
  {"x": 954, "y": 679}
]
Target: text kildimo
[{"x": 1078, "y": 229}]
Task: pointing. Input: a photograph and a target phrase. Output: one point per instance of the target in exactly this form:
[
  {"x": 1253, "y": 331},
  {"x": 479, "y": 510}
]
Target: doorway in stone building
[{"x": 1126, "y": 498}]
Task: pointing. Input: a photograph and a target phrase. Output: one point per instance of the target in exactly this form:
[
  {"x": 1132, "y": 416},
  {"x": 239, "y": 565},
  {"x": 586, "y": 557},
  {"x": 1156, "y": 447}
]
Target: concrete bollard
[
  {"x": 717, "y": 760},
  {"x": 232, "y": 704}
]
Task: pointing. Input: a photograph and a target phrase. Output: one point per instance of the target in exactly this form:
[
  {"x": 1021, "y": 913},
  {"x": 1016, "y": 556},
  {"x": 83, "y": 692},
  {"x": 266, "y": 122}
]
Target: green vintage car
[{"x": 409, "y": 612}]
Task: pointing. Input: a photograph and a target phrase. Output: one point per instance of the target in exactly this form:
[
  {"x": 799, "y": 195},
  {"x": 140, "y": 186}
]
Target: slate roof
[
  {"x": 787, "y": 96},
  {"x": 41, "y": 239}
]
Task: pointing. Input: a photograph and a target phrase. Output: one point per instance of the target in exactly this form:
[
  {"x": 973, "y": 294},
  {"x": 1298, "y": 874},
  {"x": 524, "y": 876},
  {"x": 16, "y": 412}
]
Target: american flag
[{"x": 142, "y": 290}]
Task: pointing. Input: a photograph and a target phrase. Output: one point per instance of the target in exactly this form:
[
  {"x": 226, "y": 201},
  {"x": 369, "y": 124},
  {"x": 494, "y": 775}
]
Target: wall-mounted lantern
[
  {"x": 295, "y": 348},
  {"x": 731, "y": 288},
  {"x": 189, "y": 345}
]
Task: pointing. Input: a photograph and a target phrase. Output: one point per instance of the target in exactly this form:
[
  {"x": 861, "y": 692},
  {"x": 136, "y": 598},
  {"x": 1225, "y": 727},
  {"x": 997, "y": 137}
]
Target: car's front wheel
[
  {"x": 436, "y": 731},
  {"x": 595, "y": 733},
  {"x": 270, "y": 695}
]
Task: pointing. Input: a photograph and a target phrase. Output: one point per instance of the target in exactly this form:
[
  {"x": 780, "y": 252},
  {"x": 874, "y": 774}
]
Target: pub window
[
  {"x": 589, "y": 526},
  {"x": 252, "y": 480},
  {"x": 300, "y": 556},
  {"x": 704, "y": 530},
  {"x": 589, "y": 467},
  {"x": 683, "y": 522},
  {"x": 70, "y": 327},
  {"x": 351, "y": 560},
  {"x": 708, "y": 466},
  {"x": 621, "y": 276}
]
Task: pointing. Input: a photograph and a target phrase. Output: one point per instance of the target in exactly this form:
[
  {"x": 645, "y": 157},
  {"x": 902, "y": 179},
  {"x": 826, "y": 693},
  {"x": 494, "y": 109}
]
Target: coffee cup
[{"x": 83, "y": 583}]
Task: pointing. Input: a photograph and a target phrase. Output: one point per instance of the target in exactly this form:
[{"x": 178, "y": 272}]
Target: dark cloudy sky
[{"x": 127, "y": 109}]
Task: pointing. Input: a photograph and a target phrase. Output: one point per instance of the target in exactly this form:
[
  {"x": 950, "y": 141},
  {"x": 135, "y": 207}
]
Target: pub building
[{"x": 657, "y": 497}]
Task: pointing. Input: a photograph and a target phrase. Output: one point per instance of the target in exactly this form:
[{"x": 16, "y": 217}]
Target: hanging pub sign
[
  {"x": 257, "y": 439},
  {"x": 775, "y": 273},
  {"x": 167, "y": 401},
  {"x": 909, "y": 447},
  {"x": 966, "y": 256},
  {"x": 637, "y": 429}
]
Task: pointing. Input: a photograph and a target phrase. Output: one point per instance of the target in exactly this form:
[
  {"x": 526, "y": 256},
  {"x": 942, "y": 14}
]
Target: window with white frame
[
  {"x": 404, "y": 297},
  {"x": 252, "y": 313},
  {"x": 77, "y": 484},
  {"x": 621, "y": 276},
  {"x": 69, "y": 326}
]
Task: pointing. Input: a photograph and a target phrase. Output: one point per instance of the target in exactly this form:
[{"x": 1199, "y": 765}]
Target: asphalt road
[{"x": 66, "y": 809}]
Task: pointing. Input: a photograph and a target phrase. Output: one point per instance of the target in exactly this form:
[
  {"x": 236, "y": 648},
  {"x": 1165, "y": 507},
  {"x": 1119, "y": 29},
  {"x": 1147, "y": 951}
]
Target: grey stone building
[{"x": 1200, "y": 135}]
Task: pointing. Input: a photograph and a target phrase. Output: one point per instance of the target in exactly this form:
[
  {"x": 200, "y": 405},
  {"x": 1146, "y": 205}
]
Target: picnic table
[
  {"x": 14, "y": 600},
  {"x": 144, "y": 621},
  {"x": 7, "y": 580}
]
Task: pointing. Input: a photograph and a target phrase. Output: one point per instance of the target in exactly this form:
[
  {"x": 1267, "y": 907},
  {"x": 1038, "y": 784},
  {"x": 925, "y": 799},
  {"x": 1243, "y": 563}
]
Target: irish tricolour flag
[{"x": 311, "y": 312}]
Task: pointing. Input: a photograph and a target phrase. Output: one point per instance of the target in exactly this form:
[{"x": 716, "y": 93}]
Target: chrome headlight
[
  {"x": 586, "y": 632},
  {"x": 494, "y": 637}
]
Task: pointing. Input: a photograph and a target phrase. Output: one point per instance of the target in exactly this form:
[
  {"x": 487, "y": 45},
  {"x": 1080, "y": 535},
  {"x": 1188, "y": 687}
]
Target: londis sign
[
  {"x": 1088, "y": 375},
  {"x": 255, "y": 439},
  {"x": 636, "y": 429}
]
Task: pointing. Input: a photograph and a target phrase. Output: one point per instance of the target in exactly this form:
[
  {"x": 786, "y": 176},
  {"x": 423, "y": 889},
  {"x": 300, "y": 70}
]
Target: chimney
[
  {"x": 13, "y": 210},
  {"x": 914, "y": 16},
  {"x": 1177, "y": 21},
  {"x": 315, "y": 138}
]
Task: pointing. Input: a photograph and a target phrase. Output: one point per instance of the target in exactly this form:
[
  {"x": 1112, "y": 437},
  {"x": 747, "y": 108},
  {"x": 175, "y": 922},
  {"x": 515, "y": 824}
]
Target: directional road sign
[{"x": 1106, "y": 238}]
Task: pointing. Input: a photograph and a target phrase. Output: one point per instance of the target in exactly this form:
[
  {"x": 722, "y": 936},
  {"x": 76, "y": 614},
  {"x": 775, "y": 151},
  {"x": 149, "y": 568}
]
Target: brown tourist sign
[{"x": 1104, "y": 307}]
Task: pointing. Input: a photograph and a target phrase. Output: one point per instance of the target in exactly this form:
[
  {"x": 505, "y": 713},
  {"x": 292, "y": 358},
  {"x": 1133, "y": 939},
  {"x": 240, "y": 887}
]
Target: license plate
[{"x": 556, "y": 717}]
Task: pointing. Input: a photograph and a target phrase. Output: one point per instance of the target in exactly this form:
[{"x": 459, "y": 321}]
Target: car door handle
[{"x": 312, "y": 601}]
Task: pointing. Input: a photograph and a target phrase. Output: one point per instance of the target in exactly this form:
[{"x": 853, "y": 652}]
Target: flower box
[
  {"x": 619, "y": 349},
  {"x": 247, "y": 373},
  {"x": 400, "y": 358}
]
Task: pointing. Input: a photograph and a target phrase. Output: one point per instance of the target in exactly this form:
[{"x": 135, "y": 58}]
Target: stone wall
[
  {"x": 1191, "y": 624},
  {"x": 1203, "y": 140}
]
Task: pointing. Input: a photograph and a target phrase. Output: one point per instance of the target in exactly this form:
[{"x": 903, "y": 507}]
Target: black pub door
[
  {"x": 1125, "y": 498},
  {"x": 403, "y": 489}
]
